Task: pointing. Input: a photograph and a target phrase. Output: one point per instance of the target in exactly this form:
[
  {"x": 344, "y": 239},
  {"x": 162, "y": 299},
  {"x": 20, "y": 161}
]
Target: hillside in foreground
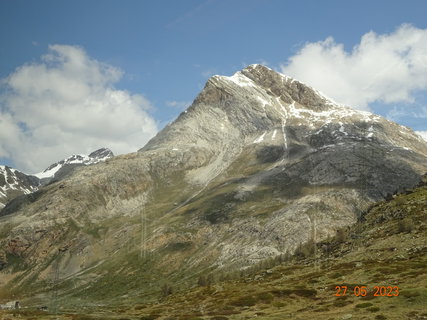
[{"x": 386, "y": 248}]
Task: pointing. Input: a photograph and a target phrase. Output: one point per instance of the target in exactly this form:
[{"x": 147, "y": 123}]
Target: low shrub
[{"x": 364, "y": 305}]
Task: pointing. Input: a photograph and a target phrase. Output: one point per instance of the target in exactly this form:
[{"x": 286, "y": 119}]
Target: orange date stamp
[{"x": 362, "y": 291}]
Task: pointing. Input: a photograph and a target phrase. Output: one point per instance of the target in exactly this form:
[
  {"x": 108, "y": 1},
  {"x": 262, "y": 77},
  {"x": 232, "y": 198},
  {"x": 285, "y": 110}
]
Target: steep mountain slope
[{"x": 259, "y": 164}]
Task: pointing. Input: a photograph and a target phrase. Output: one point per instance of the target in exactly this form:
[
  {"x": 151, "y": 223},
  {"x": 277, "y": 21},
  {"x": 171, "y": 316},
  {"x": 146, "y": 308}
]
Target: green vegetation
[
  {"x": 386, "y": 248},
  {"x": 16, "y": 261}
]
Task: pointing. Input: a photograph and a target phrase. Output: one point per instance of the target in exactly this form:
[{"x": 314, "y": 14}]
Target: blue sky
[{"x": 155, "y": 56}]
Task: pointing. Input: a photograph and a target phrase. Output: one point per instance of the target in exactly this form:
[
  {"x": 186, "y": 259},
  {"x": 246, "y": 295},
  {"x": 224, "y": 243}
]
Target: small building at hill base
[{"x": 10, "y": 305}]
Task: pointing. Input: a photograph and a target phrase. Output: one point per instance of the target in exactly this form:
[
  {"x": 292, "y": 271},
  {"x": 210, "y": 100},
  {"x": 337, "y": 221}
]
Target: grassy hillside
[{"x": 386, "y": 248}]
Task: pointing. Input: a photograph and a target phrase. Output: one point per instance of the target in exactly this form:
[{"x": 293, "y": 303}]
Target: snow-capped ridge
[
  {"x": 82, "y": 159},
  {"x": 14, "y": 182}
]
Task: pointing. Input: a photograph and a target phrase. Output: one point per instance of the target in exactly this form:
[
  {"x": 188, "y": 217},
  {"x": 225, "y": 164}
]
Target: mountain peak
[
  {"x": 96, "y": 156},
  {"x": 271, "y": 84},
  {"x": 258, "y": 101},
  {"x": 101, "y": 154}
]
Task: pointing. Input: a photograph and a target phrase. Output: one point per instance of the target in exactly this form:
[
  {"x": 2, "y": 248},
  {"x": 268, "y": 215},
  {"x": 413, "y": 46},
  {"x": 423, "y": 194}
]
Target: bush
[
  {"x": 246, "y": 301},
  {"x": 265, "y": 297},
  {"x": 306, "y": 250},
  {"x": 364, "y": 305},
  {"x": 405, "y": 225},
  {"x": 150, "y": 317},
  {"x": 204, "y": 281},
  {"x": 341, "y": 303},
  {"x": 166, "y": 290},
  {"x": 278, "y": 304},
  {"x": 342, "y": 235}
]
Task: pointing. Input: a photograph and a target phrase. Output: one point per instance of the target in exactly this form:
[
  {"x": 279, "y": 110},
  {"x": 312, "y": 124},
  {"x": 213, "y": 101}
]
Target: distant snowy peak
[
  {"x": 14, "y": 183},
  {"x": 77, "y": 159},
  {"x": 101, "y": 154}
]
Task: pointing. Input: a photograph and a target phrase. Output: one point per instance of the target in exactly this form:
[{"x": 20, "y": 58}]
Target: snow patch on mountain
[
  {"x": 241, "y": 80},
  {"x": 260, "y": 138},
  {"x": 274, "y": 134},
  {"x": 422, "y": 134}
]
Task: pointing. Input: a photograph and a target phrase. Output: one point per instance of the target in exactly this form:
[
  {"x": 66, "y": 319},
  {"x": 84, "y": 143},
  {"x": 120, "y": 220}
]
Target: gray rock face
[
  {"x": 289, "y": 125},
  {"x": 257, "y": 165}
]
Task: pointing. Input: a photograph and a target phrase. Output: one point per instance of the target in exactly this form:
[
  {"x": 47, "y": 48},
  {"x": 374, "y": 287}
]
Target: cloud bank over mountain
[
  {"x": 388, "y": 68},
  {"x": 65, "y": 104}
]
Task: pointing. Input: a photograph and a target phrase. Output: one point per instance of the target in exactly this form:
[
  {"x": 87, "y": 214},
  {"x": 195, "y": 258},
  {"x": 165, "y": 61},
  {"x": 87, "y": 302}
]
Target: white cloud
[
  {"x": 181, "y": 105},
  {"x": 383, "y": 67},
  {"x": 423, "y": 134},
  {"x": 208, "y": 73},
  {"x": 67, "y": 104},
  {"x": 395, "y": 113},
  {"x": 421, "y": 113}
]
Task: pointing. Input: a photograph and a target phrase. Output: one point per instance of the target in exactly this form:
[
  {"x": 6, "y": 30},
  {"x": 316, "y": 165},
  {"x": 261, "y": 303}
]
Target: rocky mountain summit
[
  {"x": 14, "y": 183},
  {"x": 259, "y": 164}
]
